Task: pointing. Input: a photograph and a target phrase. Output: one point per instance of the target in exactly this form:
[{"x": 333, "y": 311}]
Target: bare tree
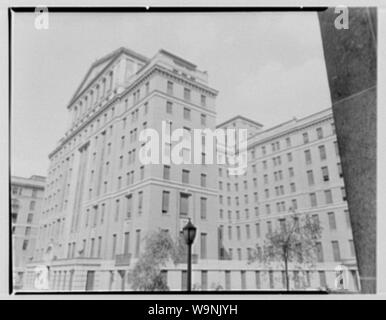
[{"x": 293, "y": 241}]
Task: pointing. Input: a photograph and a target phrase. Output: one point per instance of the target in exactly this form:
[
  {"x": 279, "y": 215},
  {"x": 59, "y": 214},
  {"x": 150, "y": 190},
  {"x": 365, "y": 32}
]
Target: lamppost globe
[{"x": 189, "y": 232}]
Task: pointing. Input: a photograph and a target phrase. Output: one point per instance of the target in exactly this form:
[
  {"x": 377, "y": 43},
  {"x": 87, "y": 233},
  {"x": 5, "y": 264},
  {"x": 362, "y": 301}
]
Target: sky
[{"x": 268, "y": 67}]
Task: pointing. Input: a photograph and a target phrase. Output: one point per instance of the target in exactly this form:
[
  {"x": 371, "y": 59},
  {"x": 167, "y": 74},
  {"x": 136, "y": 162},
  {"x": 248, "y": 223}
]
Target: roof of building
[
  {"x": 239, "y": 117},
  {"x": 99, "y": 65}
]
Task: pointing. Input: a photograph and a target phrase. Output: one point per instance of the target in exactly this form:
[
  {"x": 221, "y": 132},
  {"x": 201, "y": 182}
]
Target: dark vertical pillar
[{"x": 351, "y": 63}]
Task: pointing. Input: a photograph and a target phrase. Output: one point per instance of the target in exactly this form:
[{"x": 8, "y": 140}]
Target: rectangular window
[
  {"x": 319, "y": 252},
  {"x": 184, "y": 204},
  {"x": 322, "y": 278},
  {"x": 336, "y": 250},
  {"x": 203, "y": 207},
  {"x": 170, "y": 87},
  {"x": 116, "y": 210},
  {"x": 169, "y": 107},
  {"x": 203, "y": 245},
  {"x": 340, "y": 172},
  {"x": 165, "y": 201},
  {"x": 325, "y": 174},
  {"x": 186, "y": 114},
  {"x": 352, "y": 248},
  {"x": 126, "y": 245},
  {"x": 30, "y": 218},
  {"x": 114, "y": 246},
  {"x": 310, "y": 177},
  {"x": 185, "y": 176},
  {"x": 331, "y": 220},
  {"x": 204, "y": 280},
  {"x": 319, "y": 132},
  {"x": 243, "y": 280},
  {"x": 307, "y": 154},
  {"x": 313, "y": 201},
  {"x": 305, "y": 137},
  {"x": 328, "y": 196},
  {"x": 227, "y": 280},
  {"x": 343, "y": 191},
  {"x": 322, "y": 152},
  {"x": 288, "y": 141},
  {"x": 203, "y": 100},
  {"x": 140, "y": 202},
  {"x": 137, "y": 242},
  {"x": 166, "y": 173},
  {"x": 187, "y": 94},
  {"x": 203, "y": 119}
]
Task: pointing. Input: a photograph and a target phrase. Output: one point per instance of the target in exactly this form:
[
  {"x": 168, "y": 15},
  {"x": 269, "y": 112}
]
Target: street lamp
[{"x": 189, "y": 232}]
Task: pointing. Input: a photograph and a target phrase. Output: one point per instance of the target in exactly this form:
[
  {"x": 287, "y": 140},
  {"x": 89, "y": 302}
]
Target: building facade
[
  {"x": 102, "y": 200},
  {"x": 26, "y": 201},
  {"x": 293, "y": 168}
]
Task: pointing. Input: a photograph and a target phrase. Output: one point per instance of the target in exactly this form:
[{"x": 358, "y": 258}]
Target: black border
[{"x": 136, "y": 9}]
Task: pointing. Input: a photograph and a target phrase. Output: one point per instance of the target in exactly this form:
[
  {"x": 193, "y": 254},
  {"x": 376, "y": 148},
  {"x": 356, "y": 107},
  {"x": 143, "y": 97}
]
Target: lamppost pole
[
  {"x": 189, "y": 232},
  {"x": 189, "y": 267}
]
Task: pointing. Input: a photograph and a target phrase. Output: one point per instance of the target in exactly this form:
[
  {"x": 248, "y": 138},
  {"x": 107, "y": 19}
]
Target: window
[
  {"x": 25, "y": 244},
  {"x": 203, "y": 100},
  {"x": 203, "y": 207},
  {"x": 243, "y": 280},
  {"x": 331, "y": 220},
  {"x": 319, "y": 133},
  {"x": 289, "y": 156},
  {"x": 328, "y": 196},
  {"x": 166, "y": 173},
  {"x": 343, "y": 191},
  {"x": 227, "y": 280},
  {"x": 269, "y": 227},
  {"x": 305, "y": 137},
  {"x": 294, "y": 204},
  {"x": 114, "y": 246},
  {"x": 322, "y": 152},
  {"x": 187, "y": 94},
  {"x": 336, "y": 250},
  {"x": 165, "y": 201},
  {"x": 186, "y": 114},
  {"x": 184, "y": 204},
  {"x": 204, "y": 280},
  {"x": 352, "y": 249},
  {"x": 307, "y": 154},
  {"x": 129, "y": 207},
  {"x": 32, "y": 205},
  {"x": 340, "y": 172},
  {"x": 313, "y": 200},
  {"x": 257, "y": 225},
  {"x": 288, "y": 141},
  {"x": 291, "y": 172},
  {"x": 30, "y": 218},
  {"x": 169, "y": 107},
  {"x": 336, "y": 148},
  {"x": 137, "y": 242},
  {"x": 116, "y": 211},
  {"x": 310, "y": 177},
  {"x": 203, "y": 180},
  {"x": 203, "y": 237},
  {"x": 203, "y": 119},
  {"x": 170, "y": 87},
  {"x": 319, "y": 252},
  {"x": 140, "y": 202},
  {"x": 348, "y": 222},
  {"x": 248, "y": 232},
  {"x": 27, "y": 231},
  {"x": 185, "y": 176},
  {"x": 126, "y": 244},
  {"x": 322, "y": 278},
  {"x": 142, "y": 172},
  {"x": 293, "y": 187},
  {"x": 325, "y": 173}
]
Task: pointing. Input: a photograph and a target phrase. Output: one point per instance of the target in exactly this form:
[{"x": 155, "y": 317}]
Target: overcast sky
[{"x": 267, "y": 66}]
